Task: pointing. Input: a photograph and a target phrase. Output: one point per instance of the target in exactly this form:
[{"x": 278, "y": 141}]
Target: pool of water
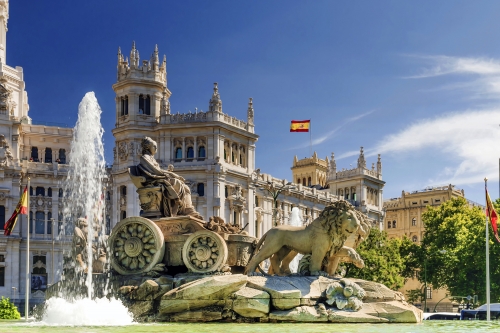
[{"x": 426, "y": 327}]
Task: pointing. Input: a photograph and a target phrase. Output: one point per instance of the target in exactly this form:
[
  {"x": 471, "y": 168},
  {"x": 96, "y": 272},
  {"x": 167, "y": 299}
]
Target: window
[
  {"x": 49, "y": 223},
  {"x": 40, "y": 223},
  {"x": 108, "y": 225},
  {"x": 309, "y": 181},
  {"x": 225, "y": 191},
  {"x": 201, "y": 152},
  {"x": 225, "y": 155},
  {"x": 389, "y": 225},
  {"x": 60, "y": 193},
  {"x": 438, "y": 200},
  {"x": 190, "y": 152},
  {"x": 241, "y": 159},
  {"x": 34, "y": 154},
  {"x": 124, "y": 106},
  {"x": 31, "y": 222},
  {"x": 232, "y": 156},
  {"x": 2, "y": 276},
  {"x": 2, "y": 217},
  {"x": 178, "y": 153},
  {"x": 393, "y": 224},
  {"x": 256, "y": 201},
  {"x": 303, "y": 182},
  {"x": 144, "y": 104},
  {"x": 201, "y": 189},
  {"x": 48, "y": 155},
  {"x": 108, "y": 195},
  {"x": 298, "y": 180},
  {"x": 123, "y": 215},
  {"x": 428, "y": 293},
  {"x": 414, "y": 221},
  {"x": 353, "y": 196},
  {"x": 426, "y": 201},
  {"x": 40, "y": 191},
  {"x": 414, "y": 239},
  {"x": 123, "y": 190},
  {"x": 49, "y": 192},
  {"x": 31, "y": 191},
  {"x": 62, "y": 156},
  {"x": 414, "y": 203},
  {"x": 2, "y": 258}
]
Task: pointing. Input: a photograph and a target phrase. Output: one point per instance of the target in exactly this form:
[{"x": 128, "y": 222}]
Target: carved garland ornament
[{"x": 138, "y": 245}]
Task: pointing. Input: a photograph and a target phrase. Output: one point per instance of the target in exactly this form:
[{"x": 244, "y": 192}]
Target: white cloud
[
  {"x": 469, "y": 140},
  {"x": 442, "y": 65}
]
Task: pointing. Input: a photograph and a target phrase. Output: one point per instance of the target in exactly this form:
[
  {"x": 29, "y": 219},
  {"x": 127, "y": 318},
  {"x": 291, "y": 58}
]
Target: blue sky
[{"x": 417, "y": 81}]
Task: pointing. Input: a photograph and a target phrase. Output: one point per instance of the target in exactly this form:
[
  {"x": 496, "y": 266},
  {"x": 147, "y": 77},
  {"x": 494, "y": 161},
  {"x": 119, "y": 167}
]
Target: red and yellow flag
[
  {"x": 22, "y": 208},
  {"x": 300, "y": 125},
  {"x": 492, "y": 215}
]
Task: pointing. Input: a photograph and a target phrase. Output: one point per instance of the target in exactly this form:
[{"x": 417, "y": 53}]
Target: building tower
[{"x": 310, "y": 171}]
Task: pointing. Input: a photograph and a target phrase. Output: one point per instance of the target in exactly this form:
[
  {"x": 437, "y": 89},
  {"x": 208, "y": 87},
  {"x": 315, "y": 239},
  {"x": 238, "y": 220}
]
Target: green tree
[
  {"x": 383, "y": 261},
  {"x": 8, "y": 310},
  {"x": 454, "y": 250}
]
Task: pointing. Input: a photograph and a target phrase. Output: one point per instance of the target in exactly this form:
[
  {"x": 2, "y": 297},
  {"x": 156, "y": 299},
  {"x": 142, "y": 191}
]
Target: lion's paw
[{"x": 319, "y": 273}]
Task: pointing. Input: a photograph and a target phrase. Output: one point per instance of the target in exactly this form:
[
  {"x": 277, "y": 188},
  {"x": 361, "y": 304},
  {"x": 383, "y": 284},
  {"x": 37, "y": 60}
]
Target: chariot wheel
[
  {"x": 204, "y": 252},
  {"x": 136, "y": 245}
]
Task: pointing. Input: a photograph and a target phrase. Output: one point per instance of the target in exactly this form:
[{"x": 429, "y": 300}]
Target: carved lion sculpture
[
  {"x": 332, "y": 260},
  {"x": 326, "y": 234}
]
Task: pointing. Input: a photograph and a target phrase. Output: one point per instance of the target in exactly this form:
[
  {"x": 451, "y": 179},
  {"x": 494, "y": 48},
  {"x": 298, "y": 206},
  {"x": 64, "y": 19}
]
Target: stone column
[
  {"x": 184, "y": 152},
  {"x": 195, "y": 147}
]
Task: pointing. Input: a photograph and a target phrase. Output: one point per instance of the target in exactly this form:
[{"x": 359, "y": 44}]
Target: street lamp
[
  {"x": 275, "y": 191},
  {"x": 425, "y": 279}
]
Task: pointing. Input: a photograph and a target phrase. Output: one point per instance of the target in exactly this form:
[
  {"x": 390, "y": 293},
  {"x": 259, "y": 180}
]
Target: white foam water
[
  {"x": 295, "y": 221},
  {"x": 86, "y": 312}
]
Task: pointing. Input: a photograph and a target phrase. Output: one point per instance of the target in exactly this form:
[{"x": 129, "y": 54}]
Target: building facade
[
  {"x": 40, "y": 152},
  {"x": 404, "y": 219}
]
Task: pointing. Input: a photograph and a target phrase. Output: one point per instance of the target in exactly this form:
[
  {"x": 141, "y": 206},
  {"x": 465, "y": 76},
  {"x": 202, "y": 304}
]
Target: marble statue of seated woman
[{"x": 176, "y": 199}]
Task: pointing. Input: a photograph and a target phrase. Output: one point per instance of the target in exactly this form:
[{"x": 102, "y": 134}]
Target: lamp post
[{"x": 275, "y": 191}]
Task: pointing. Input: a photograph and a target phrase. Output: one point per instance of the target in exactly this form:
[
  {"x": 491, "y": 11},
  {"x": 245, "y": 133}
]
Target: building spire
[
  {"x": 250, "y": 111},
  {"x": 156, "y": 60},
  {"x": 215, "y": 101},
  {"x": 379, "y": 165},
  {"x": 361, "y": 159},
  {"x": 133, "y": 56}
]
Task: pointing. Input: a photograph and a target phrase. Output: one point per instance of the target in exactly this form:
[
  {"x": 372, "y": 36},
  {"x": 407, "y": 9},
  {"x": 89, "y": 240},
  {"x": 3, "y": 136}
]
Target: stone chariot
[{"x": 183, "y": 243}]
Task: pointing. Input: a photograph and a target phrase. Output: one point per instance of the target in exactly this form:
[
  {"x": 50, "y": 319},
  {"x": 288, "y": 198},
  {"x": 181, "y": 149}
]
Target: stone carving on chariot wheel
[
  {"x": 148, "y": 176},
  {"x": 137, "y": 245},
  {"x": 205, "y": 252}
]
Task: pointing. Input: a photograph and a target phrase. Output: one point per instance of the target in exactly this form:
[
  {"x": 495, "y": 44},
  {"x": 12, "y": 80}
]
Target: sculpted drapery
[{"x": 176, "y": 194}]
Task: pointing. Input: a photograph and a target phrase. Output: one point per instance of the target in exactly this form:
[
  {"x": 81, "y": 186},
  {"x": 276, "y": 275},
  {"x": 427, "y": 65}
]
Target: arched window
[
  {"x": 309, "y": 181},
  {"x": 394, "y": 224},
  {"x": 414, "y": 221},
  {"x": 298, "y": 180},
  {"x": 190, "y": 152},
  {"x": 2, "y": 217},
  {"x": 34, "y": 154},
  {"x": 40, "y": 223},
  {"x": 123, "y": 215},
  {"x": 241, "y": 160},
  {"x": 144, "y": 104},
  {"x": 200, "y": 189},
  {"x": 303, "y": 182},
  {"x": 62, "y": 156},
  {"x": 123, "y": 190},
  {"x": 389, "y": 225},
  {"x": 124, "y": 106},
  {"x": 201, "y": 152},
  {"x": 178, "y": 153},
  {"x": 40, "y": 191},
  {"x": 31, "y": 190},
  {"x": 414, "y": 239},
  {"x": 60, "y": 193},
  {"x": 49, "y": 192},
  {"x": 49, "y": 223},
  {"x": 256, "y": 201},
  {"x": 48, "y": 155}
]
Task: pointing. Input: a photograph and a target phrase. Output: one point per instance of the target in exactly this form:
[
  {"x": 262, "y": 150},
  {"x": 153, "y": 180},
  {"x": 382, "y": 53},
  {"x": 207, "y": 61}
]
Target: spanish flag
[
  {"x": 300, "y": 125},
  {"x": 492, "y": 215},
  {"x": 22, "y": 208}
]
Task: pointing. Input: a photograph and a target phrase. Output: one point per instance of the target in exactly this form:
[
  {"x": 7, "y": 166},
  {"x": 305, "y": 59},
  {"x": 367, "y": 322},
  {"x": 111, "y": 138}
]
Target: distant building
[
  {"x": 404, "y": 219},
  {"x": 361, "y": 186}
]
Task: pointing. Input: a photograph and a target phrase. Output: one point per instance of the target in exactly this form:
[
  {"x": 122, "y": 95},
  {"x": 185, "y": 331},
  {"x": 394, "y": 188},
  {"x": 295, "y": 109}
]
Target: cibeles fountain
[{"x": 170, "y": 265}]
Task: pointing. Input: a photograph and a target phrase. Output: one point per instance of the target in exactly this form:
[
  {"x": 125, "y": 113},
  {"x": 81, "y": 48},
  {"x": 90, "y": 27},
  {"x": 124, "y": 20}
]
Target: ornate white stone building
[{"x": 27, "y": 150}]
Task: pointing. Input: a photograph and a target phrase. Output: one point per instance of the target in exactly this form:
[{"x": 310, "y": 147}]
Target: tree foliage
[
  {"x": 383, "y": 260},
  {"x": 8, "y": 310},
  {"x": 453, "y": 250}
]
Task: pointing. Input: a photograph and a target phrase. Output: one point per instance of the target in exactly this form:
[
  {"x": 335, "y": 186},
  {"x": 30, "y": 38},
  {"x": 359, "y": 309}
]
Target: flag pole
[
  {"x": 488, "y": 314},
  {"x": 310, "y": 139},
  {"x": 26, "y": 303}
]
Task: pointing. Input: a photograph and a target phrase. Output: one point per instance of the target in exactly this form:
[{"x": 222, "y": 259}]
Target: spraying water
[
  {"x": 295, "y": 221},
  {"x": 84, "y": 208}
]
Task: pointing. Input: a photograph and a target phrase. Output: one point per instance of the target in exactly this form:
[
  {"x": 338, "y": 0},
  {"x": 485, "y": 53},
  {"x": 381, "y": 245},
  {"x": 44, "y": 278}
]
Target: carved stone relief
[{"x": 122, "y": 151}]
